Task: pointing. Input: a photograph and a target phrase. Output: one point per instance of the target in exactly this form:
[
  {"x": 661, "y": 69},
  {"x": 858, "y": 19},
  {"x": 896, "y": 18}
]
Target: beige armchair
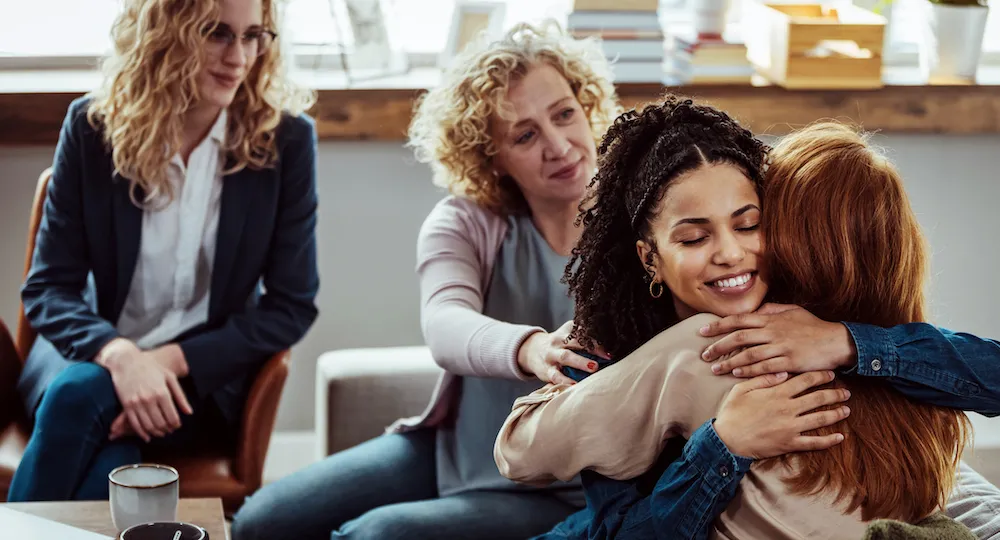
[{"x": 360, "y": 392}]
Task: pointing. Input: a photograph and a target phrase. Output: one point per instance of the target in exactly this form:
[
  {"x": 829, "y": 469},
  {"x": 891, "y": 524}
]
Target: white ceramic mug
[{"x": 143, "y": 493}]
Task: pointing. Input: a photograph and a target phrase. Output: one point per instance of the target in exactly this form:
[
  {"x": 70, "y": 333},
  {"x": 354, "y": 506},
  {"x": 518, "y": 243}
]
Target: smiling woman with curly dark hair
[{"x": 639, "y": 159}]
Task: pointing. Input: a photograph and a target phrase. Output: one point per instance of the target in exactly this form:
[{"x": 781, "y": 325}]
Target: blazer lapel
[
  {"x": 237, "y": 192},
  {"x": 128, "y": 234}
]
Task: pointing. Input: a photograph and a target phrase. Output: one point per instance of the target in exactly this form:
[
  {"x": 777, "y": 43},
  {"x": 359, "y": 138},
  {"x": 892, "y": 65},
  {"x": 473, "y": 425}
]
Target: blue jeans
[
  {"x": 386, "y": 488},
  {"x": 69, "y": 455}
]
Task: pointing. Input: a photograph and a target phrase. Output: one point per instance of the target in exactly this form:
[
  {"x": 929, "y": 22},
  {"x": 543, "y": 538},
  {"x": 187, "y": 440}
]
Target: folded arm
[{"x": 52, "y": 293}]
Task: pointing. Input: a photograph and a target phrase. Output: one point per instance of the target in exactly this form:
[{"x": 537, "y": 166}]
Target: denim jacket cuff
[
  {"x": 719, "y": 467},
  {"x": 877, "y": 353}
]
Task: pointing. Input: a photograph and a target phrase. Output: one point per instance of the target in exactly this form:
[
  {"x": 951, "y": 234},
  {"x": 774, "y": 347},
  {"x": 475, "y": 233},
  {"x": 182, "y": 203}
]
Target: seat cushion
[
  {"x": 13, "y": 440},
  {"x": 359, "y": 392}
]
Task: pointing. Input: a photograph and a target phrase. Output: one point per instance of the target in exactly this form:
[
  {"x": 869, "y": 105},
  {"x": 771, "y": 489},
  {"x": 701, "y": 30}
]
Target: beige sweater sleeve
[{"x": 617, "y": 420}]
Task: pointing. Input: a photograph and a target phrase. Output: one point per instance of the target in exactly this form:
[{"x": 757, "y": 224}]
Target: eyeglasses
[{"x": 256, "y": 41}]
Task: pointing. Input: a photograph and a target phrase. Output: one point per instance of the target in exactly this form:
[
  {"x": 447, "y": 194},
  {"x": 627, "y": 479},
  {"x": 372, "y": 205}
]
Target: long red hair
[{"x": 843, "y": 242}]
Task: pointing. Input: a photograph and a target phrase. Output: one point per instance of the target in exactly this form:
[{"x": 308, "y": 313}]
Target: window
[{"x": 317, "y": 28}]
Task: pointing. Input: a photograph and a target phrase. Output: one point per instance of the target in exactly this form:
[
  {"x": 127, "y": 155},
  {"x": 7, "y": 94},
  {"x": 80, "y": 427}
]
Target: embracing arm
[
  {"x": 923, "y": 362},
  {"x": 689, "y": 495},
  {"x": 53, "y": 289},
  {"x": 636, "y": 403},
  {"x": 285, "y": 311},
  {"x": 931, "y": 364}
]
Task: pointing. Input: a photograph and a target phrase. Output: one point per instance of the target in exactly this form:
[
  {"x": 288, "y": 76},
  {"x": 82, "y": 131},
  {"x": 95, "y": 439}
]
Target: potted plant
[{"x": 953, "y": 38}]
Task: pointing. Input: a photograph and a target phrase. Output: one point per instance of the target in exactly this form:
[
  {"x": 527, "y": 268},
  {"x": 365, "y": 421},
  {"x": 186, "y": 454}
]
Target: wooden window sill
[{"x": 33, "y": 104}]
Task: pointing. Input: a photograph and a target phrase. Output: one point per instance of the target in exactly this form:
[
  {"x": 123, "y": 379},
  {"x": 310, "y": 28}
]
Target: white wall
[{"x": 374, "y": 197}]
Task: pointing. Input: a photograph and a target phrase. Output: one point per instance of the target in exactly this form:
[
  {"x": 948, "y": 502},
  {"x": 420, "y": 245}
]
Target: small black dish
[{"x": 166, "y": 530}]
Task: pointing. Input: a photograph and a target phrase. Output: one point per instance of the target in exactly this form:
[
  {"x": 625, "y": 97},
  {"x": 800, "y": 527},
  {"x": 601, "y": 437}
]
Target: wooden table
[{"x": 95, "y": 516}]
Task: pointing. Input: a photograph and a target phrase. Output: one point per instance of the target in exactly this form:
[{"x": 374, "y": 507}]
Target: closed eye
[
  {"x": 694, "y": 242},
  {"x": 750, "y": 228}
]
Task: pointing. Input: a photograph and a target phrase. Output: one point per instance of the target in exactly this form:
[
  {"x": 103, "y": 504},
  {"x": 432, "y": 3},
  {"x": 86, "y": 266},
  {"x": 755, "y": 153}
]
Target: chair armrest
[
  {"x": 359, "y": 392},
  {"x": 10, "y": 370},
  {"x": 258, "y": 420}
]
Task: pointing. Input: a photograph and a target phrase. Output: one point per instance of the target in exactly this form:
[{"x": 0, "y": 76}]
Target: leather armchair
[{"x": 204, "y": 473}]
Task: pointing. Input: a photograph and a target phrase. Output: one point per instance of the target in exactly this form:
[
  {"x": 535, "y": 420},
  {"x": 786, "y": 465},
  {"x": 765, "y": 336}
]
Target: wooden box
[{"x": 812, "y": 46}]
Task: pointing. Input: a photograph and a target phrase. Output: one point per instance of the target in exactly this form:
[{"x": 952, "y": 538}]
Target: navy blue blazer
[{"x": 90, "y": 229}]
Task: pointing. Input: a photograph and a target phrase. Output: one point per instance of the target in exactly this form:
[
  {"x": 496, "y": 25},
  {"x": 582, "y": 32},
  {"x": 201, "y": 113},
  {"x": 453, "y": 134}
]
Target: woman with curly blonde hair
[
  {"x": 179, "y": 187},
  {"x": 511, "y": 131}
]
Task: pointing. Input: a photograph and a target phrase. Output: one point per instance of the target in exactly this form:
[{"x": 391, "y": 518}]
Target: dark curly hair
[{"x": 639, "y": 157}]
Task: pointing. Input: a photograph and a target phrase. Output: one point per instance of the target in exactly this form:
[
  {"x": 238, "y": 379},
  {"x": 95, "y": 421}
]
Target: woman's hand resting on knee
[
  {"x": 766, "y": 416},
  {"x": 544, "y": 353},
  {"x": 147, "y": 386}
]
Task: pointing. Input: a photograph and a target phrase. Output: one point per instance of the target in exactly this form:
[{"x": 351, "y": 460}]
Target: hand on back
[
  {"x": 768, "y": 415},
  {"x": 544, "y": 354},
  {"x": 778, "y": 338}
]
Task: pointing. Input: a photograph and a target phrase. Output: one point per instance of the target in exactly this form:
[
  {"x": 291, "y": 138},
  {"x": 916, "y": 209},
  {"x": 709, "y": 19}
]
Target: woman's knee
[
  {"x": 393, "y": 521},
  {"x": 81, "y": 391}
]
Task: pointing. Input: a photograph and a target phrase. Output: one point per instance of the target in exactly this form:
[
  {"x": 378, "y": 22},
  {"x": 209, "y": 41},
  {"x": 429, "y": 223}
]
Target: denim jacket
[{"x": 924, "y": 362}]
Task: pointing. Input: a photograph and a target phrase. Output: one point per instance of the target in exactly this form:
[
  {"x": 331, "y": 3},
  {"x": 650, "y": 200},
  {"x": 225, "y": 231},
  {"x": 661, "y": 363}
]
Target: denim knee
[
  {"x": 384, "y": 524},
  {"x": 82, "y": 392},
  {"x": 247, "y": 522}
]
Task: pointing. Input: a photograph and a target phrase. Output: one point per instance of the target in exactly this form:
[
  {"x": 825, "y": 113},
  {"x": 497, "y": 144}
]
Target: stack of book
[
  {"x": 695, "y": 59},
  {"x": 630, "y": 32}
]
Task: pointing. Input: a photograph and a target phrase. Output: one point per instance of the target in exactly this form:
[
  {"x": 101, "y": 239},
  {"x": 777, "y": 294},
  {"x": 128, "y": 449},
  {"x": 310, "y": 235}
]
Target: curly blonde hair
[
  {"x": 451, "y": 123},
  {"x": 150, "y": 82}
]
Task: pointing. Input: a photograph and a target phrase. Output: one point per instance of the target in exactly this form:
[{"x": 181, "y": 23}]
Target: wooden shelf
[{"x": 382, "y": 111}]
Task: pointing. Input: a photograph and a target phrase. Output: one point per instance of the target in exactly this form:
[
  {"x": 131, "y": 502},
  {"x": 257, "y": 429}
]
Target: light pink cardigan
[{"x": 456, "y": 249}]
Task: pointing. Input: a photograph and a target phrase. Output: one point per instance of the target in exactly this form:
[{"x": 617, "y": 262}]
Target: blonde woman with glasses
[{"x": 177, "y": 249}]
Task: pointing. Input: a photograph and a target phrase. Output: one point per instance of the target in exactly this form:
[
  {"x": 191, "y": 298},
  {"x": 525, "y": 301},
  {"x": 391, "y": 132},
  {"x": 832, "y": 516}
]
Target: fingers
[
  {"x": 820, "y": 419},
  {"x": 737, "y": 340},
  {"x": 733, "y": 322},
  {"x": 806, "y": 443},
  {"x": 169, "y": 413},
  {"x": 599, "y": 351},
  {"x": 557, "y": 377},
  {"x": 133, "y": 420},
  {"x": 569, "y": 358},
  {"x": 150, "y": 411},
  {"x": 758, "y": 383},
  {"x": 820, "y": 398},
  {"x": 750, "y": 357},
  {"x": 563, "y": 331},
  {"x": 179, "y": 397},
  {"x": 117, "y": 427},
  {"x": 800, "y": 383},
  {"x": 774, "y": 309}
]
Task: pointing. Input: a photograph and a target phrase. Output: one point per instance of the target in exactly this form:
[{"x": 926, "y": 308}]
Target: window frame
[{"x": 316, "y": 56}]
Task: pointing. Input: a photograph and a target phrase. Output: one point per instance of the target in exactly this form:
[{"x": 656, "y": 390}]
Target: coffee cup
[{"x": 143, "y": 493}]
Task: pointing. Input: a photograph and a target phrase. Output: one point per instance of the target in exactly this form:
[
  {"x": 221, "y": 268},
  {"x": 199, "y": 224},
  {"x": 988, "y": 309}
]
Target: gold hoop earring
[{"x": 657, "y": 286}]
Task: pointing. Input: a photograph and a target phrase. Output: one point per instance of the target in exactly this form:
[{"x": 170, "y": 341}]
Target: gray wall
[{"x": 374, "y": 198}]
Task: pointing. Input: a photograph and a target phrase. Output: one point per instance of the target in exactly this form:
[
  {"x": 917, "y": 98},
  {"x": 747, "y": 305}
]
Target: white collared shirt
[{"x": 170, "y": 288}]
